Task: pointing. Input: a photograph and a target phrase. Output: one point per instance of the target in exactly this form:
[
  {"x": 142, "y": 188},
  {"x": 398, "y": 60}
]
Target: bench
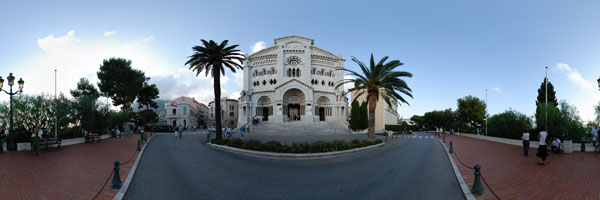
[
  {"x": 93, "y": 138},
  {"x": 46, "y": 142}
]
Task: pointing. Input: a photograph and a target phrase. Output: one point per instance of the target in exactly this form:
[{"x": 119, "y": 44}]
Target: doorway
[
  {"x": 321, "y": 114},
  {"x": 294, "y": 112},
  {"x": 265, "y": 112}
]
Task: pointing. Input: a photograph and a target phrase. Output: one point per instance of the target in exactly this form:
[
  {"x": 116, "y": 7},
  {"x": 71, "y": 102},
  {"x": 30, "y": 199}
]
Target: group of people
[{"x": 556, "y": 145}]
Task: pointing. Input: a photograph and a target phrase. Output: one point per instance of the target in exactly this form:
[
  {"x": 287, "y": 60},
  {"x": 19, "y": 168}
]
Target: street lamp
[{"x": 12, "y": 143}]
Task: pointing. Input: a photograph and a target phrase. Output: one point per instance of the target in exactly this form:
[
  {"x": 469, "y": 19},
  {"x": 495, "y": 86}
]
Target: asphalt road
[{"x": 186, "y": 168}]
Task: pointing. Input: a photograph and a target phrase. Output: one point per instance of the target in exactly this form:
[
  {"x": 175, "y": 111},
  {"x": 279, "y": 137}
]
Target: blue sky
[{"x": 453, "y": 48}]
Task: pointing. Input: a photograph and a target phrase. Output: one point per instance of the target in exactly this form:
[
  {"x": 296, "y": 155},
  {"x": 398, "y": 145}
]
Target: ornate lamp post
[{"x": 12, "y": 143}]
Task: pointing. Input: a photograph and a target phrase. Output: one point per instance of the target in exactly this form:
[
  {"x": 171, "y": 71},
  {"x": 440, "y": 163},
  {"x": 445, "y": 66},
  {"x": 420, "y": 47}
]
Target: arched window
[
  {"x": 298, "y": 72},
  {"x": 312, "y": 71},
  {"x": 293, "y": 73},
  {"x": 289, "y": 73},
  {"x": 264, "y": 71},
  {"x": 330, "y": 72}
]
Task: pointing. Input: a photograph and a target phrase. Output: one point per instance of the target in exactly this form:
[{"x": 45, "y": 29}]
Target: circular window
[{"x": 293, "y": 60}]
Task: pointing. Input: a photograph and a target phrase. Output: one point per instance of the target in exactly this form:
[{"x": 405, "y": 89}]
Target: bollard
[
  {"x": 138, "y": 147},
  {"x": 116, "y": 182},
  {"x": 477, "y": 188},
  {"x": 451, "y": 149}
]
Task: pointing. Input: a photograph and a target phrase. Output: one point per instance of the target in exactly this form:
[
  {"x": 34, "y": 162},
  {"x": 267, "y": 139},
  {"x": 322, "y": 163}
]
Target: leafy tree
[
  {"x": 29, "y": 111},
  {"x": 571, "y": 126},
  {"x": 541, "y": 98},
  {"x": 147, "y": 116},
  {"x": 85, "y": 88},
  {"x": 120, "y": 81},
  {"x": 471, "y": 112},
  {"x": 419, "y": 121},
  {"x": 364, "y": 116},
  {"x": 87, "y": 114},
  {"x": 355, "y": 116},
  {"x": 553, "y": 114},
  {"x": 378, "y": 80},
  {"x": 147, "y": 95},
  {"x": 509, "y": 124},
  {"x": 210, "y": 58}
]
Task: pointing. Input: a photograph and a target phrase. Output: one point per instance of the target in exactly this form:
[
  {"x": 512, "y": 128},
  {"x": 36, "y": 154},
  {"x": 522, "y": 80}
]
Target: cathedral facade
[{"x": 293, "y": 81}]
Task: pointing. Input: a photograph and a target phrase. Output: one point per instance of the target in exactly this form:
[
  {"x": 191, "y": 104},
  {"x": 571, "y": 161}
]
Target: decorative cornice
[
  {"x": 312, "y": 41},
  {"x": 326, "y": 53},
  {"x": 291, "y": 81},
  {"x": 262, "y": 51}
]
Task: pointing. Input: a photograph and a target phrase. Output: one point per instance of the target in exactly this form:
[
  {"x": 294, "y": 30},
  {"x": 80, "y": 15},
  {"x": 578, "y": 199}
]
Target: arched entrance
[
  {"x": 293, "y": 104},
  {"x": 264, "y": 108},
  {"x": 323, "y": 108},
  {"x": 321, "y": 114}
]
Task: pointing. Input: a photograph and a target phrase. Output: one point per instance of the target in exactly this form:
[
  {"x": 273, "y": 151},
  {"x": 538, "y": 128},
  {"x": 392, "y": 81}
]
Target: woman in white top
[
  {"x": 525, "y": 139},
  {"x": 543, "y": 148}
]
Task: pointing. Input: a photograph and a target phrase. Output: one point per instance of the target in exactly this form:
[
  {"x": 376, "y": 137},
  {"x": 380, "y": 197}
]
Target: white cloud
[
  {"x": 258, "y": 46},
  {"x": 498, "y": 90},
  {"x": 235, "y": 95},
  {"x": 75, "y": 57},
  {"x": 350, "y": 85},
  {"x": 574, "y": 76},
  {"x": 109, "y": 33},
  {"x": 50, "y": 43}
]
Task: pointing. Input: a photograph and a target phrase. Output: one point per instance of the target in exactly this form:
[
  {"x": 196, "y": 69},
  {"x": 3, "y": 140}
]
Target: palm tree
[
  {"x": 378, "y": 80},
  {"x": 210, "y": 58}
]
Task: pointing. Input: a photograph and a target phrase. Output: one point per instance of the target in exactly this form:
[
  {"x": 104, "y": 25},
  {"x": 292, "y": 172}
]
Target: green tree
[
  {"x": 554, "y": 120},
  {"x": 597, "y": 111},
  {"x": 85, "y": 88},
  {"x": 147, "y": 95},
  {"x": 355, "y": 116},
  {"x": 378, "y": 80},
  {"x": 419, "y": 121},
  {"x": 146, "y": 116},
  {"x": 364, "y": 116},
  {"x": 509, "y": 124},
  {"x": 541, "y": 98},
  {"x": 120, "y": 81},
  {"x": 210, "y": 58},
  {"x": 471, "y": 112},
  {"x": 30, "y": 111},
  {"x": 571, "y": 126}
]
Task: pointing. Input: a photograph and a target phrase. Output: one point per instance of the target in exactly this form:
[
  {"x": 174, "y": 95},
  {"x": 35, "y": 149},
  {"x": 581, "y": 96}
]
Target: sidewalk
[
  {"x": 75, "y": 172},
  {"x": 513, "y": 176}
]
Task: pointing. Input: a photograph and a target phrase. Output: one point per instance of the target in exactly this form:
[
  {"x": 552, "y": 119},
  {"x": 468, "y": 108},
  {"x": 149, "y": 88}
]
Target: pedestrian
[
  {"x": 228, "y": 133},
  {"x": 594, "y": 134},
  {"x": 543, "y": 148},
  {"x": 525, "y": 139},
  {"x": 37, "y": 135},
  {"x": 242, "y": 131},
  {"x": 175, "y": 129},
  {"x": 2, "y": 135},
  {"x": 246, "y": 128},
  {"x": 180, "y": 131}
]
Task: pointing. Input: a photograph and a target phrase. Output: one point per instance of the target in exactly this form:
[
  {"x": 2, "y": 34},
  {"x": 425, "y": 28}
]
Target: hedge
[{"x": 314, "y": 147}]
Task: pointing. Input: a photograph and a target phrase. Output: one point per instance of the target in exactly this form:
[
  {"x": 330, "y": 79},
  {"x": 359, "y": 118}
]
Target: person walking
[
  {"x": 242, "y": 131},
  {"x": 37, "y": 135},
  {"x": 180, "y": 131},
  {"x": 2, "y": 135},
  {"x": 175, "y": 130},
  {"x": 525, "y": 139},
  {"x": 543, "y": 148}
]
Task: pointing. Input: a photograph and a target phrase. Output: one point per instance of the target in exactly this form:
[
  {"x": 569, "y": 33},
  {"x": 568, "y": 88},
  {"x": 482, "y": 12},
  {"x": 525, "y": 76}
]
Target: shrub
[{"x": 314, "y": 147}]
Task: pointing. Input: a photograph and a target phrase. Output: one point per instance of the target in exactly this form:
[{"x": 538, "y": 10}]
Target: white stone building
[
  {"x": 229, "y": 113},
  {"x": 293, "y": 81},
  {"x": 183, "y": 111}
]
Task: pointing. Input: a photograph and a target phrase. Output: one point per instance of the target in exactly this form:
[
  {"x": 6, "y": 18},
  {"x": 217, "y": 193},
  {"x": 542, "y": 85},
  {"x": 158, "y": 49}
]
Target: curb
[
  {"x": 263, "y": 154},
  {"x": 461, "y": 181},
  {"x": 125, "y": 186}
]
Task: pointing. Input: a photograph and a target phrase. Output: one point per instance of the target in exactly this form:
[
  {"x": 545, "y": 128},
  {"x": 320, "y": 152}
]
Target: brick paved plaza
[
  {"x": 75, "y": 172},
  {"x": 513, "y": 176}
]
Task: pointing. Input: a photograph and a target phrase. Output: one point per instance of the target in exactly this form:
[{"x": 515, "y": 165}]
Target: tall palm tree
[
  {"x": 210, "y": 58},
  {"x": 378, "y": 80}
]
